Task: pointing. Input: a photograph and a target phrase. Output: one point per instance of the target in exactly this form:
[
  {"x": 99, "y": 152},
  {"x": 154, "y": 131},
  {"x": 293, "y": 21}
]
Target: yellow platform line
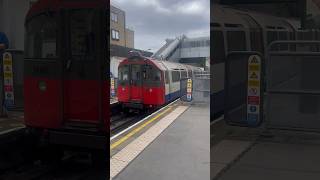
[{"x": 123, "y": 139}]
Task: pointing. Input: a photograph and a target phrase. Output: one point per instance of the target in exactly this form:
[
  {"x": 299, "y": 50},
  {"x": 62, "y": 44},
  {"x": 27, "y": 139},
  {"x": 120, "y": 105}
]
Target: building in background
[
  {"x": 119, "y": 34},
  {"x": 12, "y": 16},
  {"x": 192, "y": 51}
]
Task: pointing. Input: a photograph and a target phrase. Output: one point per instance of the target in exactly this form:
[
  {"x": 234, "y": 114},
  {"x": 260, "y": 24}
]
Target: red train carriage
[
  {"x": 146, "y": 83},
  {"x": 66, "y": 86}
]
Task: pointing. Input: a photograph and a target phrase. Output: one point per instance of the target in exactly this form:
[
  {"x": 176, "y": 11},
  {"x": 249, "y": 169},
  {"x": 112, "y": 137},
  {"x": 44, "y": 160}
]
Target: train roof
[
  {"x": 165, "y": 65},
  {"x": 54, "y": 5},
  {"x": 223, "y": 15}
]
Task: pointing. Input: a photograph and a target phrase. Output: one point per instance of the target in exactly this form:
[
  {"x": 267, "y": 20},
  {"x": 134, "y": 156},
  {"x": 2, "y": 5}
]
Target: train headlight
[{"x": 42, "y": 85}]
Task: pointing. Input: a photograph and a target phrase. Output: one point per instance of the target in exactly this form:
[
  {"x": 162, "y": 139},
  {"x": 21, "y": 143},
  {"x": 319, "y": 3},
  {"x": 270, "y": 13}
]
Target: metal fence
[
  {"x": 200, "y": 93},
  {"x": 293, "y": 88}
]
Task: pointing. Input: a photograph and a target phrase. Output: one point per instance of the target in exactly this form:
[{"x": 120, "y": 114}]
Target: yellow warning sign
[
  {"x": 254, "y": 60},
  {"x": 253, "y": 83},
  {"x": 253, "y": 75},
  {"x": 254, "y": 67},
  {"x": 7, "y": 75},
  {"x": 7, "y": 68}
]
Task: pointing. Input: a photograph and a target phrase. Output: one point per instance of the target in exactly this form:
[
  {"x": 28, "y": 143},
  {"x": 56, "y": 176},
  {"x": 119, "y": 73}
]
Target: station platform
[
  {"x": 113, "y": 100},
  {"x": 11, "y": 125},
  {"x": 176, "y": 147},
  {"x": 247, "y": 153}
]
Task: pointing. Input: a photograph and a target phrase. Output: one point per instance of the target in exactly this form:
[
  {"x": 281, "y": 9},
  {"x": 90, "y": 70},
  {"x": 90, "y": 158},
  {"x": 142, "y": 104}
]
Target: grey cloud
[{"x": 155, "y": 21}]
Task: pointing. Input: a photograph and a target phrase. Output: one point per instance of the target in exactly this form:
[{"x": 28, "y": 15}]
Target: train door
[
  {"x": 136, "y": 83},
  {"x": 82, "y": 66}
]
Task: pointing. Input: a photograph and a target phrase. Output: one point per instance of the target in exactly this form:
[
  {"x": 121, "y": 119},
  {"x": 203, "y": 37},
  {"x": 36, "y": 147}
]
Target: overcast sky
[{"x": 156, "y": 20}]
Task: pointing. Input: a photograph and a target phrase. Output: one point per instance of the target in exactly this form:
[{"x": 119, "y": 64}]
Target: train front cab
[
  {"x": 66, "y": 88},
  {"x": 141, "y": 84}
]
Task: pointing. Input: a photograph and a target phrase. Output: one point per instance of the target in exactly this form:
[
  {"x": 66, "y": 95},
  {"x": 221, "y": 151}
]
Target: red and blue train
[{"x": 145, "y": 83}]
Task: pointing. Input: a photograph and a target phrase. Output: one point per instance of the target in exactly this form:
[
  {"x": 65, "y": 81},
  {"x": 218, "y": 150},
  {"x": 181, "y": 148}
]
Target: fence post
[{"x": 2, "y": 111}]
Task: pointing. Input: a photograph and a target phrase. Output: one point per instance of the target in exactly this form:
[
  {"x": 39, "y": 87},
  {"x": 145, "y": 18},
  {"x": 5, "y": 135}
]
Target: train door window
[
  {"x": 82, "y": 34},
  {"x": 189, "y": 74},
  {"x": 41, "y": 40},
  {"x": 175, "y": 76},
  {"x": 183, "y": 74},
  {"x": 167, "y": 77},
  {"x": 123, "y": 73},
  {"x": 283, "y": 35},
  {"x": 272, "y": 36},
  {"x": 135, "y": 72},
  {"x": 217, "y": 45},
  {"x": 236, "y": 40}
]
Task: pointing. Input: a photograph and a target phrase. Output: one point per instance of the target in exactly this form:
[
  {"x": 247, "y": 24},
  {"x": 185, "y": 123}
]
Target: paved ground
[
  {"x": 243, "y": 154},
  {"x": 181, "y": 152},
  {"x": 14, "y": 120}
]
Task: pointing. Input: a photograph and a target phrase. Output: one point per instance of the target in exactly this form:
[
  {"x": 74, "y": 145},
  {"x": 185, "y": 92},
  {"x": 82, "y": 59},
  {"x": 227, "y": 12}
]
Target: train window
[
  {"x": 41, "y": 40},
  {"x": 189, "y": 73},
  {"x": 256, "y": 41},
  {"x": 167, "y": 77},
  {"x": 217, "y": 45},
  {"x": 236, "y": 40},
  {"x": 175, "y": 76},
  {"x": 184, "y": 74},
  {"x": 82, "y": 33},
  {"x": 272, "y": 36},
  {"x": 123, "y": 73},
  {"x": 233, "y": 25}
]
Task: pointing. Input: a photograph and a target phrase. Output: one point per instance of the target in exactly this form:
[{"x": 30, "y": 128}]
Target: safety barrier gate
[
  {"x": 244, "y": 88},
  {"x": 197, "y": 88},
  {"x": 293, "y": 85}
]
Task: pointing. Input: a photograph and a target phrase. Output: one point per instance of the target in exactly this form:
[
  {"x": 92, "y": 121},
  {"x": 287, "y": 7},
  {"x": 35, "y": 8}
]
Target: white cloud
[
  {"x": 194, "y": 7},
  {"x": 156, "y": 20}
]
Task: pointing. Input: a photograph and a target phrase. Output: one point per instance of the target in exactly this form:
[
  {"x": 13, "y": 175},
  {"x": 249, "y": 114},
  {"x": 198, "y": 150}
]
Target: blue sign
[
  {"x": 189, "y": 97},
  {"x": 253, "y": 119},
  {"x": 253, "y": 108}
]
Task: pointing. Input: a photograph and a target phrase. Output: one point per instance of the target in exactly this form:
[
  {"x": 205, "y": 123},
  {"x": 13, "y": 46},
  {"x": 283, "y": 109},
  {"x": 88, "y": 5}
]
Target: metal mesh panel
[
  {"x": 201, "y": 87},
  {"x": 293, "y": 92}
]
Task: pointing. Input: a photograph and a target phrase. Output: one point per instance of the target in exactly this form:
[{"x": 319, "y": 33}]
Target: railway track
[
  {"x": 16, "y": 165},
  {"x": 122, "y": 121},
  {"x": 71, "y": 167}
]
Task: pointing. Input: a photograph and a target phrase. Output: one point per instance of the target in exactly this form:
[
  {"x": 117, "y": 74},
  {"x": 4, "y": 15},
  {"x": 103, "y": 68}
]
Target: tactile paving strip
[{"x": 120, "y": 160}]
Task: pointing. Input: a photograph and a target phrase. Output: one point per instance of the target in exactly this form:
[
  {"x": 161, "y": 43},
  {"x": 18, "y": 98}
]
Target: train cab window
[
  {"x": 123, "y": 73},
  {"x": 236, "y": 41},
  {"x": 41, "y": 40},
  {"x": 152, "y": 74}
]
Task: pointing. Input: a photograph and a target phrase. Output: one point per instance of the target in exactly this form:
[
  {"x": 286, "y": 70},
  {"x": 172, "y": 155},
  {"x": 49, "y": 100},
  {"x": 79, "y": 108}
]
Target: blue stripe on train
[{"x": 172, "y": 96}]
